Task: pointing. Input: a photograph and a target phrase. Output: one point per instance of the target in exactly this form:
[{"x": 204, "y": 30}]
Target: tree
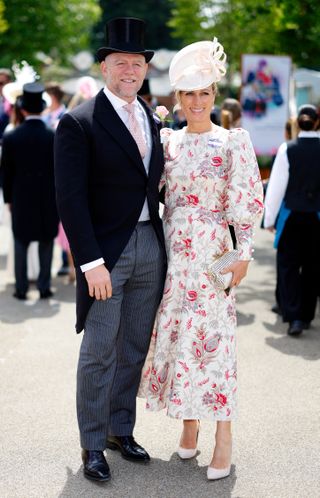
[
  {"x": 57, "y": 28},
  {"x": 156, "y": 13},
  {"x": 3, "y": 24},
  {"x": 278, "y": 27}
]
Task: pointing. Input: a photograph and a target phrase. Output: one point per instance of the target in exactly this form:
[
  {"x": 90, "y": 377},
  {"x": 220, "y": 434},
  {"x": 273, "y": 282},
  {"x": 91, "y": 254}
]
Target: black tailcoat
[
  {"x": 28, "y": 181},
  {"x": 101, "y": 186}
]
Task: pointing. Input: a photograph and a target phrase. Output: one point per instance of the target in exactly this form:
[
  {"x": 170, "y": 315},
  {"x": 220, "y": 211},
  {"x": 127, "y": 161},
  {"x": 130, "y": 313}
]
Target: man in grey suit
[{"x": 108, "y": 163}]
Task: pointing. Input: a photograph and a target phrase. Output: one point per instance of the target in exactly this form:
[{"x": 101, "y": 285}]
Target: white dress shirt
[
  {"x": 141, "y": 116},
  {"x": 278, "y": 181}
]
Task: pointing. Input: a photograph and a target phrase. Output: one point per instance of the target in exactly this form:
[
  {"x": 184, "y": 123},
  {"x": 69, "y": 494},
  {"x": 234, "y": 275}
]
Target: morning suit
[
  {"x": 28, "y": 185},
  {"x": 101, "y": 187}
]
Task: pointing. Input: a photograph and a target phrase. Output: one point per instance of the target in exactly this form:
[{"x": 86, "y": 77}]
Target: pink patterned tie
[{"x": 135, "y": 129}]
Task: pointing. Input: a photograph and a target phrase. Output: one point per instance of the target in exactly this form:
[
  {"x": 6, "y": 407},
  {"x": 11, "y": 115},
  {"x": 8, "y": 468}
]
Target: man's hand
[{"x": 99, "y": 282}]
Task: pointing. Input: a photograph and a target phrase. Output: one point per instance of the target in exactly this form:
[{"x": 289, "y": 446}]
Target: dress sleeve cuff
[{"x": 244, "y": 235}]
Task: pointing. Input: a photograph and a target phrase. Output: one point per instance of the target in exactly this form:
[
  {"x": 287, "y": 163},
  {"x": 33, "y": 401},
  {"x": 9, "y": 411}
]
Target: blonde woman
[{"x": 211, "y": 179}]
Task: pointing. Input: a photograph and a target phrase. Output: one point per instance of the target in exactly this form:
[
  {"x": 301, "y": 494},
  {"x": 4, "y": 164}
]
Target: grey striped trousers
[{"x": 116, "y": 340}]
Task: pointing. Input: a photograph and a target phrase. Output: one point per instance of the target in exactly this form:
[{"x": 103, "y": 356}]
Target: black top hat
[
  {"x": 31, "y": 100},
  {"x": 125, "y": 34}
]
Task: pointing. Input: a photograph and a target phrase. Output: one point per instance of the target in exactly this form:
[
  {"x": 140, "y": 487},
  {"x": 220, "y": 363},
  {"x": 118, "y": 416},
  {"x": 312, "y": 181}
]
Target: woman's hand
[
  {"x": 99, "y": 282},
  {"x": 239, "y": 270}
]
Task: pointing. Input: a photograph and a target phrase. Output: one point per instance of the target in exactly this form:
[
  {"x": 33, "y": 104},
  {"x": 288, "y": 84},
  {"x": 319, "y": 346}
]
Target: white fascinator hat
[{"x": 197, "y": 66}]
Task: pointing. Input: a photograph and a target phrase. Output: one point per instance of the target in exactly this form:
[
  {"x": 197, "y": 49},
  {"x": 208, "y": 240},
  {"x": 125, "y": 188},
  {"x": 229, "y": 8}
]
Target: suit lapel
[{"x": 108, "y": 118}]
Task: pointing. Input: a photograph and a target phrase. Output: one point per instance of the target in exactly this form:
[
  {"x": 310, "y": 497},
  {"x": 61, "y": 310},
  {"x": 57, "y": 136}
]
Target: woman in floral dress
[{"x": 212, "y": 180}]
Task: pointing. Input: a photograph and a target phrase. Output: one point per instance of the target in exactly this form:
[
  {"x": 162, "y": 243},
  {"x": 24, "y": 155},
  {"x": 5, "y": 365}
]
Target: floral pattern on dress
[{"x": 212, "y": 180}]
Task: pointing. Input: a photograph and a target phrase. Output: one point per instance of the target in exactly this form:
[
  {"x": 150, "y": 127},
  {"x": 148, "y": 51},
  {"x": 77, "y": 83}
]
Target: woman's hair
[
  {"x": 291, "y": 129},
  {"x": 306, "y": 122},
  {"x": 230, "y": 113},
  {"x": 177, "y": 94}
]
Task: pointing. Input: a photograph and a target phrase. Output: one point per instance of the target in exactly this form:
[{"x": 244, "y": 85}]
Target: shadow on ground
[
  {"x": 15, "y": 311},
  {"x": 183, "y": 480}
]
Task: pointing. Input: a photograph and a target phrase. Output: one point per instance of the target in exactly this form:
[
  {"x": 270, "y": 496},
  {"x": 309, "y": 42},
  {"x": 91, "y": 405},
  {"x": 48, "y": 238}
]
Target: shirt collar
[
  {"x": 33, "y": 116},
  {"x": 308, "y": 134},
  {"x": 116, "y": 102}
]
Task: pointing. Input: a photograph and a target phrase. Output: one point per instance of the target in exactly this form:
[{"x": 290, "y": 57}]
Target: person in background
[
  {"x": 230, "y": 114},
  {"x": 86, "y": 89},
  {"x": 108, "y": 164},
  {"x": 5, "y": 78},
  {"x": 211, "y": 180},
  {"x": 292, "y": 208},
  {"x": 54, "y": 112},
  {"x": 51, "y": 116},
  {"x": 28, "y": 187},
  {"x": 290, "y": 132}
]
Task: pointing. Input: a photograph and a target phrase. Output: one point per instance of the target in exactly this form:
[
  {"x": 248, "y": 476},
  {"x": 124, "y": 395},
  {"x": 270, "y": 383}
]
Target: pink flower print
[
  {"x": 163, "y": 374},
  {"x": 211, "y": 345},
  {"x": 203, "y": 382},
  {"x": 190, "y": 219},
  {"x": 186, "y": 384},
  {"x": 201, "y": 234},
  {"x": 192, "y": 295},
  {"x": 190, "y": 153},
  {"x": 207, "y": 398},
  {"x": 189, "y": 324},
  {"x": 174, "y": 336},
  {"x": 196, "y": 350},
  {"x": 228, "y": 412},
  {"x": 154, "y": 387},
  {"x": 201, "y": 312},
  {"x": 203, "y": 286},
  {"x": 216, "y": 161},
  {"x": 213, "y": 234},
  {"x": 221, "y": 399},
  {"x": 187, "y": 243},
  {"x": 184, "y": 366},
  {"x": 178, "y": 375},
  {"x": 193, "y": 199}
]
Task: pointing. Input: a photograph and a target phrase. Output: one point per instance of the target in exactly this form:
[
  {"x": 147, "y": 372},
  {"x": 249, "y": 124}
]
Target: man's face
[{"x": 124, "y": 74}]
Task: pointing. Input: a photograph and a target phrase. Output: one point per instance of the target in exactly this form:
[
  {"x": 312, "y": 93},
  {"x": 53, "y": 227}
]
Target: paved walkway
[{"x": 276, "y": 436}]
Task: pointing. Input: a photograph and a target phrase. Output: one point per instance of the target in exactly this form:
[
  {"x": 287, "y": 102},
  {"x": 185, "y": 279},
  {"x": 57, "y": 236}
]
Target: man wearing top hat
[
  {"x": 108, "y": 163},
  {"x": 28, "y": 186}
]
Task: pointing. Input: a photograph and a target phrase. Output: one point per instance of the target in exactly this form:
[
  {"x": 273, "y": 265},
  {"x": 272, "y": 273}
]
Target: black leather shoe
[
  {"x": 46, "y": 294},
  {"x": 22, "y": 296},
  {"x": 130, "y": 449},
  {"x": 95, "y": 466},
  {"x": 296, "y": 327}
]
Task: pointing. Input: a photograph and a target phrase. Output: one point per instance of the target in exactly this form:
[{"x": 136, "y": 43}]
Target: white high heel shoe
[
  {"x": 186, "y": 453},
  {"x": 213, "y": 474}
]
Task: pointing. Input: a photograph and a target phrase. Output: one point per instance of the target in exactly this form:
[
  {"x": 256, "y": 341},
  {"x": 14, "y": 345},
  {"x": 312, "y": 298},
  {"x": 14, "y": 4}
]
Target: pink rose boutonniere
[{"x": 161, "y": 113}]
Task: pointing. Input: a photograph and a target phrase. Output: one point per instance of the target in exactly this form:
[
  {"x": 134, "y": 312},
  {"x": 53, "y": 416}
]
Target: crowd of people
[{"x": 159, "y": 318}]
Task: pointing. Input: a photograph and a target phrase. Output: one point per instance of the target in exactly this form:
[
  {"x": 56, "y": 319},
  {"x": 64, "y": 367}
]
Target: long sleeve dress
[{"x": 212, "y": 180}]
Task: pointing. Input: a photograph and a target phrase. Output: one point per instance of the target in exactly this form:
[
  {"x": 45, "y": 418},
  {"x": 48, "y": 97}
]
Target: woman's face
[{"x": 197, "y": 105}]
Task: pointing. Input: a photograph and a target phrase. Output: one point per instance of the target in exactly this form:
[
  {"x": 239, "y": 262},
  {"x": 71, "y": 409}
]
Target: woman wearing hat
[
  {"x": 294, "y": 192},
  {"x": 212, "y": 180}
]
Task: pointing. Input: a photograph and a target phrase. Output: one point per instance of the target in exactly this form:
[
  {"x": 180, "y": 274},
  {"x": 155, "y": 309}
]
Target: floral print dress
[{"x": 212, "y": 180}]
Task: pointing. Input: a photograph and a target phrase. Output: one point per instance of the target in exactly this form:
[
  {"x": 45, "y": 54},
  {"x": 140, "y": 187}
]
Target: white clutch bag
[{"x": 222, "y": 262}]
